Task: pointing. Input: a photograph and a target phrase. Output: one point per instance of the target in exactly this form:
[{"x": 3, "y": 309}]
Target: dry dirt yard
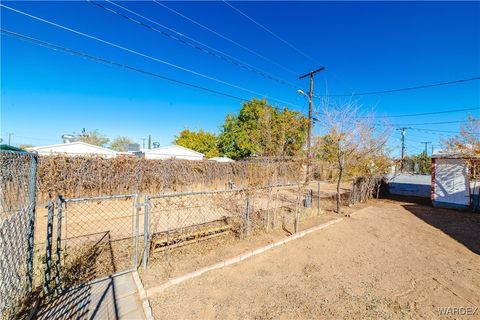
[{"x": 392, "y": 260}]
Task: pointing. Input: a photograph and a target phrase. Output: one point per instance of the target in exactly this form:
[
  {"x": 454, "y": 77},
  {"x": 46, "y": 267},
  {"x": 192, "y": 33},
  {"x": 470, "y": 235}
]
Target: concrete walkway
[{"x": 115, "y": 298}]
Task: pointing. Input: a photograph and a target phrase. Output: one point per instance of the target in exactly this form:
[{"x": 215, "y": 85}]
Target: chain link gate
[
  {"x": 17, "y": 225},
  {"x": 94, "y": 237}
]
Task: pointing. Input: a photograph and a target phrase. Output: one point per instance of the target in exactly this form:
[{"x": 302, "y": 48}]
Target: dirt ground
[{"x": 392, "y": 260}]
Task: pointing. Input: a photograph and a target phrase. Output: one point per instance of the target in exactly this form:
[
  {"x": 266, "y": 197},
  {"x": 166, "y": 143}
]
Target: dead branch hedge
[{"x": 92, "y": 176}]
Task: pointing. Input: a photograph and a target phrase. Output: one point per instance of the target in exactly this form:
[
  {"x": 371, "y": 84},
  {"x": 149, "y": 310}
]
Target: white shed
[
  {"x": 222, "y": 159},
  {"x": 76, "y": 148},
  {"x": 173, "y": 152},
  {"x": 455, "y": 181}
]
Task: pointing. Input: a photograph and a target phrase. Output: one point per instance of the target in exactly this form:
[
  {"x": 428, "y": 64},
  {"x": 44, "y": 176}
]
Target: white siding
[{"x": 451, "y": 181}]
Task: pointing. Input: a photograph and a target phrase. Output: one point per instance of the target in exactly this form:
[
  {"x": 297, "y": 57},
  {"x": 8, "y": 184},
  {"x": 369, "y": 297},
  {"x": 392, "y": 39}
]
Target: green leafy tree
[
  {"x": 424, "y": 163},
  {"x": 325, "y": 148},
  {"x": 200, "y": 141},
  {"x": 120, "y": 143},
  {"x": 95, "y": 138},
  {"x": 262, "y": 130}
]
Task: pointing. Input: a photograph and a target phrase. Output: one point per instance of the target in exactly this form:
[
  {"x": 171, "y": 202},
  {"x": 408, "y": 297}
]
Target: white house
[
  {"x": 76, "y": 148},
  {"x": 222, "y": 159},
  {"x": 455, "y": 181},
  {"x": 173, "y": 152}
]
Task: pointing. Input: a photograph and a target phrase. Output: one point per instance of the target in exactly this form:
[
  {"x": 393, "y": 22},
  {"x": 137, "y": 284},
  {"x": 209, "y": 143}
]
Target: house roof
[
  {"x": 60, "y": 145},
  {"x": 6, "y": 147},
  {"x": 163, "y": 150},
  {"x": 444, "y": 154},
  {"x": 222, "y": 159}
]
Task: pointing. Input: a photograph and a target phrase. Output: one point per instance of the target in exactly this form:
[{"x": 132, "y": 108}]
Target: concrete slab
[{"x": 115, "y": 298}]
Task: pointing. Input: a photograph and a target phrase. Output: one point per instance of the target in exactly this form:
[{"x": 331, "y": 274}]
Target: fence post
[
  {"x": 353, "y": 193},
  {"x": 146, "y": 245},
  {"x": 31, "y": 194},
  {"x": 137, "y": 231},
  {"x": 247, "y": 217},
  {"x": 318, "y": 197},
  {"x": 59, "y": 243},
  {"x": 48, "y": 249}
]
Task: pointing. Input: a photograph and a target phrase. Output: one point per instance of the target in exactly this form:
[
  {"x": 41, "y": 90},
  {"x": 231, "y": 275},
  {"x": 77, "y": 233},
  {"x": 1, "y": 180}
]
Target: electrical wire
[
  {"x": 227, "y": 38},
  {"x": 202, "y": 47},
  {"x": 141, "y": 54},
  {"x": 59, "y": 48},
  {"x": 401, "y": 89},
  {"x": 113, "y": 63},
  {"x": 429, "y": 113},
  {"x": 421, "y": 124},
  {"x": 272, "y": 33},
  {"x": 435, "y": 130}
]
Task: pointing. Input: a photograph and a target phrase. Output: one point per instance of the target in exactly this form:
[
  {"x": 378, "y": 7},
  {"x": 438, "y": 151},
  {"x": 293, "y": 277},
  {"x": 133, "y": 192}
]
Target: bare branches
[
  {"x": 352, "y": 142},
  {"x": 467, "y": 142}
]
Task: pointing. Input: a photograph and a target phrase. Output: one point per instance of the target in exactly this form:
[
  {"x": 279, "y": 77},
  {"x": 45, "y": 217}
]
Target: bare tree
[
  {"x": 467, "y": 142},
  {"x": 355, "y": 142}
]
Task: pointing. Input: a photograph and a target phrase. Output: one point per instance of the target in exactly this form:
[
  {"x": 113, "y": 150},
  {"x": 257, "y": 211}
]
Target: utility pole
[
  {"x": 426, "y": 144},
  {"x": 311, "y": 74},
  {"x": 403, "y": 147},
  {"x": 10, "y": 134}
]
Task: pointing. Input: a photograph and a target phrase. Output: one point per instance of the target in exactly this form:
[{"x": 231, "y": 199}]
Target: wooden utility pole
[
  {"x": 403, "y": 148},
  {"x": 310, "y": 114}
]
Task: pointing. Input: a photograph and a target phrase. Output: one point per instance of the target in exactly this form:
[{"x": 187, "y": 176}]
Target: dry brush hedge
[{"x": 92, "y": 176}]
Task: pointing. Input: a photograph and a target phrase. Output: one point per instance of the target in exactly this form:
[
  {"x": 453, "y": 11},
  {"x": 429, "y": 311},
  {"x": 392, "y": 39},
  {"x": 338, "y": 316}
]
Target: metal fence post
[
  {"x": 59, "y": 243},
  {"x": 32, "y": 186},
  {"x": 146, "y": 246},
  {"x": 353, "y": 193},
  {"x": 318, "y": 197},
  {"x": 48, "y": 249},
  {"x": 247, "y": 217},
  {"x": 137, "y": 222}
]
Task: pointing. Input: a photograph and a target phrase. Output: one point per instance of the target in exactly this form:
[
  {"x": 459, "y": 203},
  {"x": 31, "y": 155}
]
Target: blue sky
[{"x": 365, "y": 46}]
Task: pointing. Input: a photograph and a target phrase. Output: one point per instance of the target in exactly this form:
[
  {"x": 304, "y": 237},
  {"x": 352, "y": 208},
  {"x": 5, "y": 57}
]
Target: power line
[
  {"x": 141, "y": 54},
  {"x": 425, "y": 123},
  {"x": 202, "y": 47},
  {"x": 402, "y": 89},
  {"x": 428, "y": 123},
  {"x": 226, "y": 38},
  {"x": 59, "y": 48},
  {"x": 272, "y": 33},
  {"x": 113, "y": 63},
  {"x": 435, "y": 130},
  {"x": 428, "y": 113}
]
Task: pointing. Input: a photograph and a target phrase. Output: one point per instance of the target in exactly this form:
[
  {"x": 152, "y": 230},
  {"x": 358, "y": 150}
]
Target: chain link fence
[
  {"x": 82, "y": 239},
  {"x": 178, "y": 220},
  {"x": 90, "y": 238},
  {"x": 17, "y": 221}
]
